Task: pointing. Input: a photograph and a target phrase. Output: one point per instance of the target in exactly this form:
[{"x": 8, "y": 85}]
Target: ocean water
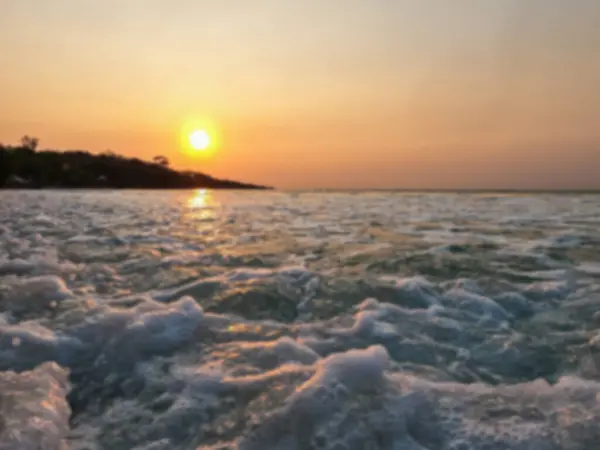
[{"x": 266, "y": 320}]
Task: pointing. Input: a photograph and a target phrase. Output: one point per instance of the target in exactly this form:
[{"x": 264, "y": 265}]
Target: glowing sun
[{"x": 199, "y": 140}]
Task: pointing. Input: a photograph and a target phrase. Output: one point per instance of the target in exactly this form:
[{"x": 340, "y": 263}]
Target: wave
[{"x": 143, "y": 337}]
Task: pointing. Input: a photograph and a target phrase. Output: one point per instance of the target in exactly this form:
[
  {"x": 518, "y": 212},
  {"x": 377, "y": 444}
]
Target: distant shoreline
[
  {"x": 23, "y": 167},
  {"x": 108, "y": 189},
  {"x": 310, "y": 191}
]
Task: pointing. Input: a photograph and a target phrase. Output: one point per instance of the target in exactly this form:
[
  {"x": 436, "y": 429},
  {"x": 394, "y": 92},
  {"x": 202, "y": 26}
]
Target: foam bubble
[{"x": 355, "y": 369}]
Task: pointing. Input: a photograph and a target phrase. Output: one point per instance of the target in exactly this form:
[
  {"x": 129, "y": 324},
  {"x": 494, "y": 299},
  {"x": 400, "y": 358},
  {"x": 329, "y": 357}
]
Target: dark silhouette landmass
[{"x": 25, "y": 167}]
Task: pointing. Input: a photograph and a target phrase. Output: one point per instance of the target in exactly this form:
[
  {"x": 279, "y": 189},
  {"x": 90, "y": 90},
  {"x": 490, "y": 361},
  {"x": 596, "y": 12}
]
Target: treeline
[{"x": 24, "y": 166}]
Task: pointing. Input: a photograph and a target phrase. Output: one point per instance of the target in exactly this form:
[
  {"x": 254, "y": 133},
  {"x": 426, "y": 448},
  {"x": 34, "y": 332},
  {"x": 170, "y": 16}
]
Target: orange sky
[{"x": 337, "y": 94}]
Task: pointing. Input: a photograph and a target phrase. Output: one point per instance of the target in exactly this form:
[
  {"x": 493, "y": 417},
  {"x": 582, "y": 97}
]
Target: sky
[{"x": 421, "y": 94}]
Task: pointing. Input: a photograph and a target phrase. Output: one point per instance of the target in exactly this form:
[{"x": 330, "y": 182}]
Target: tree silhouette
[
  {"x": 161, "y": 161},
  {"x": 29, "y": 143},
  {"x": 26, "y": 166}
]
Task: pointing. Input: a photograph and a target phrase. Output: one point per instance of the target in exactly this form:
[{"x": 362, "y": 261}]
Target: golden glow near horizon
[{"x": 382, "y": 94}]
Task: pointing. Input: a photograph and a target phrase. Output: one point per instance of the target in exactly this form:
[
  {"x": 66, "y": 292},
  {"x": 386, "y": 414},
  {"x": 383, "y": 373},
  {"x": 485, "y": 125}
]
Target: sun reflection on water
[
  {"x": 199, "y": 199},
  {"x": 202, "y": 206}
]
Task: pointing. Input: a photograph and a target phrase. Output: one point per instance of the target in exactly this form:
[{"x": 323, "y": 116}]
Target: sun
[{"x": 199, "y": 140}]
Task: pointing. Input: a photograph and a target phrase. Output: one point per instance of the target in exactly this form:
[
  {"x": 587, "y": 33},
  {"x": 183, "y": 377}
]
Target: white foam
[
  {"x": 287, "y": 350},
  {"x": 355, "y": 369},
  {"x": 387, "y": 309},
  {"x": 167, "y": 327},
  {"x": 153, "y": 370},
  {"x": 367, "y": 325},
  {"x": 34, "y": 413},
  {"x": 37, "y": 264},
  {"x": 31, "y": 294},
  {"x": 368, "y": 304},
  {"x": 45, "y": 221},
  {"x": 414, "y": 291}
]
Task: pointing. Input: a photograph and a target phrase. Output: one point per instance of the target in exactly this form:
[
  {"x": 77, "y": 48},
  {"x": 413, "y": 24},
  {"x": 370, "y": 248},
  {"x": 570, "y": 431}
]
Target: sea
[{"x": 265, "y": 320}]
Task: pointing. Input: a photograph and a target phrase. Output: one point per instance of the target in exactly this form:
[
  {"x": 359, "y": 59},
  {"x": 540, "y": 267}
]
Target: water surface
[{"x": 265, "y": 320}]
